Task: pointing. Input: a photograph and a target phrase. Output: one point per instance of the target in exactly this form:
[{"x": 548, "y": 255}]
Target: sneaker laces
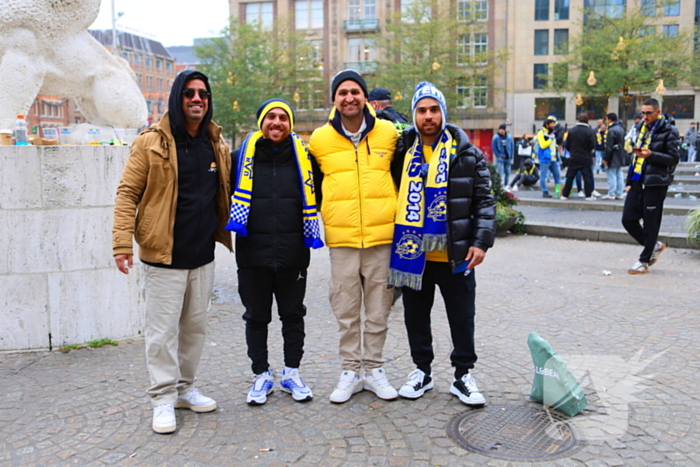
[
  {"x": 470, "y": 384},
  {"x": 346, "y": 383},
  {"x": 382, "y": 382},
  {"x": 416, "y": 378}
]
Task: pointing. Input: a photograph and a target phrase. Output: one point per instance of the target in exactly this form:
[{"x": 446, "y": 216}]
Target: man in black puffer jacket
[
  {"x": 656, "y": 154},
  {"x": 445, "y": 223},
  {"x": 273, "y": 238}
]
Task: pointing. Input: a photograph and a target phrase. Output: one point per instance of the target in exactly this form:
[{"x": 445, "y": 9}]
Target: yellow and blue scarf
[
  {"x": 644, "y": 137},
  {"x": 243, "y": 191},
  {"x": 421, "y": 215}
]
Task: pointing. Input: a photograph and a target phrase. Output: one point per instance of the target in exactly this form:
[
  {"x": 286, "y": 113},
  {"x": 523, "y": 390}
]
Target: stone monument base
[{"x": 58, "y": 282}]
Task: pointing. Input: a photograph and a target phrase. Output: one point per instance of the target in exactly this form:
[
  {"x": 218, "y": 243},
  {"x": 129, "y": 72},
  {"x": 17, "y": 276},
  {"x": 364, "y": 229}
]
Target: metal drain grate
[{"x": 515, "y": 433}]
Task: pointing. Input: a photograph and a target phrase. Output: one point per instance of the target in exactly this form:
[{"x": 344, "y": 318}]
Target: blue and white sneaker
[
  {"x": 263, "y": 385},
  {"x": 292, "y": 383}
]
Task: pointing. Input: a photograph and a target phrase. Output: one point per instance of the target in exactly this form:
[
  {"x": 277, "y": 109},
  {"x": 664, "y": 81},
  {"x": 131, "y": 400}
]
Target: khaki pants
[
  {"x": 177, "y": 301},
  {"x": 358, "y": 272}
]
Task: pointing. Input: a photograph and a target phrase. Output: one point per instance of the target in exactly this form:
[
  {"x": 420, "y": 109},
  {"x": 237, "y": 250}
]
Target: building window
[
  {"x": 561, "y": 41},
  {"x": 160, "y": 84},
  {"x": 547, "y": 106},
  {"x": 159, "y": 64},
  {"x": 672, "y": 8},
  {"x": 463, "y": 49},
  {"x": 647, "y": 30},
  {"x": 137, "y": 59},
  {"x": 594, "y": 107},
  {"x": 472, "y": 10},
  {"x": 362, "y": 9},
  {"x": 541, "y": 41},
  {"x": 561, "y": 9},
  {"x": 260, "y": 14},
  {"x": 671, "y": 30},
  {"x": 476, "y": 48},
  {"x": 541, "y": 71},
  {"x": 149, "y": 83},
  {"x": 308, "y": 14},
  {"x": 139, "y": 80},
  {"x": 679, "y": 106},
  {"x": 605, "y": 8},
  {"x": 541, "y": 10},
  {"x": 168, "y": 66},
  {"x": 149, "y": 62},
  {"x": 125, "y": 56},
  {"x": 475, "y": 97},
  {"x": 317, "y": 53},
  {"x": 648, "y": 7},
  {"x": 360, "y": 51}
]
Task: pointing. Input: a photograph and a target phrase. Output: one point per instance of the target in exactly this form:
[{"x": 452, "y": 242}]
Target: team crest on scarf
[{"x": 421, "y": 215}]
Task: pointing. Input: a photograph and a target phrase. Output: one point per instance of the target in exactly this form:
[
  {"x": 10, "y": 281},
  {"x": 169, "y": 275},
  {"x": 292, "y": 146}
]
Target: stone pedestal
[{"x": 58, "y": 282}]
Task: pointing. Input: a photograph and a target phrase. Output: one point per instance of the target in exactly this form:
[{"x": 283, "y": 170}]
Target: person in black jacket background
[
  {"x": 614, "y": 157},
  {"x": 581, "y": 144},
  {"x": 656, "y": 154},
  {"x": 442, "y": 240},
  {"x": 272, "y": 244}
]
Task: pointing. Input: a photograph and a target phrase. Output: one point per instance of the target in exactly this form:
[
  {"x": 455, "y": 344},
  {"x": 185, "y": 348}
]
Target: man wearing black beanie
[{"x": 353, "y": 152}]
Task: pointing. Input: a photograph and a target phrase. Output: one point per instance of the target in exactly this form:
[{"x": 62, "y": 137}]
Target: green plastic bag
[{"x": 554, "y": 385}]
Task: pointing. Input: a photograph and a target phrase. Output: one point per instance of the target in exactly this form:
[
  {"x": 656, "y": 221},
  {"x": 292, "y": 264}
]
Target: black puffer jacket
[
  {"x": 665, "y": 154},
  {"x": 275, "y": 228},
  {"x": 614, "y": 153},
  {"x": 471, "y": 207}
]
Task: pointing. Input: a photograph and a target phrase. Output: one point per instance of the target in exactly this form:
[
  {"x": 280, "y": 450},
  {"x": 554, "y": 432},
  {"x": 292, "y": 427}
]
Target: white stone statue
[{"x": 45, "y": 48}]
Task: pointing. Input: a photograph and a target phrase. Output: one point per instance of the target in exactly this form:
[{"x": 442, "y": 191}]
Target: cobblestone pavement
[{"x": 88, "y": 407}]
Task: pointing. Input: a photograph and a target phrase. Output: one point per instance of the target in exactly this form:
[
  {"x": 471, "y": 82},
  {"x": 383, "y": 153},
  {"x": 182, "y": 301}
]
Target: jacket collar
[{"x": 370, "y": 118}]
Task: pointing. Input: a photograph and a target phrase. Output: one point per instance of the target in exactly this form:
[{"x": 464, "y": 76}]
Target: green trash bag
[{"x": 554, "y": 385}]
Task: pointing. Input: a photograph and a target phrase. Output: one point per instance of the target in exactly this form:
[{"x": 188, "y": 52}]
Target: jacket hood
[{"x": 177, "y": 119}]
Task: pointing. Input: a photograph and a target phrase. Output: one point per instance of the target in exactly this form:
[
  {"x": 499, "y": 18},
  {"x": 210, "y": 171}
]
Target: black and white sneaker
[
  {"x": 465, "y": 388},
  {"x": 418, "y": 382}
]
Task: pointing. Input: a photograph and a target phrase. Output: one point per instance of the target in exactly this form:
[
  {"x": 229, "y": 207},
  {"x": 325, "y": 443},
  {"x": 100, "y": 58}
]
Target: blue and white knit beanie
[{"x": 427, "y": 89}]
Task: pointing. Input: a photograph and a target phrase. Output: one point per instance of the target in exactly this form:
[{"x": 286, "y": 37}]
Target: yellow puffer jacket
[{"x": 359, "y": 195}]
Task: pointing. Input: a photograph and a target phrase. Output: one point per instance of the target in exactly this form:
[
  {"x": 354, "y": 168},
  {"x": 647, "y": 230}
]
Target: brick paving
[{"x": 88, "y": 407}]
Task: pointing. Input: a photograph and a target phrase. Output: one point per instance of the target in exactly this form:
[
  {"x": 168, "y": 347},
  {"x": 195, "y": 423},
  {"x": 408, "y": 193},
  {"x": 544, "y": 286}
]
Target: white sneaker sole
[
  {"x": 410, "y": 393},
  {"x": 196, "y": 408},
  {"x": 259, "y": 400},
  {"x": 164, "y": 429},
  {"x": 297, "y": 397},
  {"x": 342, "y": 401},
  {"x": 475, "y": 399}
]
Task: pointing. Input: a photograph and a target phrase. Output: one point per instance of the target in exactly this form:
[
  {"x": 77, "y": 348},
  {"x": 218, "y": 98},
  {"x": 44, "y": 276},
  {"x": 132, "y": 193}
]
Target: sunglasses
[
  {"x": 648, "y": 112},
  {"x": 189, "y": 93}
]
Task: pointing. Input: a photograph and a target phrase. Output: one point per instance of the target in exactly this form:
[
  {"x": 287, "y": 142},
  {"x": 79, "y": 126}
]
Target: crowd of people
[
  {"x": 650, "y": 150},
  {"x": 401, "y": 206}
]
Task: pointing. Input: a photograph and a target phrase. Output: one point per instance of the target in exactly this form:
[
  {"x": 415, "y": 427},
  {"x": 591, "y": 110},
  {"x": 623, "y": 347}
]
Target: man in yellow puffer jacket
[{"x": 354, "y": 151}]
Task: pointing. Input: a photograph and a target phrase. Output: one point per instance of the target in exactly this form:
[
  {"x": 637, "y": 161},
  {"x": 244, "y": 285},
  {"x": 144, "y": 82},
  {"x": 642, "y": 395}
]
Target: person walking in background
[
  {"x": 273, "y": 213},
  {"x": 691, "y": 137},
  {"x": 174, "y": 199},
  {"x": 656, "y": 154},
  {"x": 503, "y": 150},
  {"x": 527, "y": 176},
  {"x": 600, "y": 145},
  {"x": 354, "y": 151},
  {"x": 581, "y": 144},
  {"x": 440, "y": 239},
  {"x": 547, "y": 154},
  {"x": 614, "y": 157}
]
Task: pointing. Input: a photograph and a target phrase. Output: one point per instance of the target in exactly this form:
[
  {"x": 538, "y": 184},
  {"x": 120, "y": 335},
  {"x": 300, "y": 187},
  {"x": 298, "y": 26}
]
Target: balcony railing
[
  {"x": 358, "y": 25},
  {"x": 366, "y": 67}
]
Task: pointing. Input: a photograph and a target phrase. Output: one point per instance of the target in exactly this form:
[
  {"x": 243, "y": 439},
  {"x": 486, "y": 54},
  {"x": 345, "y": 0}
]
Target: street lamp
[
  {"x": 660, "y": 89},
  {"x": 115, "y": 17},
  {"x": 436, "y": 65},
  {"x": 591, "y": 81}
]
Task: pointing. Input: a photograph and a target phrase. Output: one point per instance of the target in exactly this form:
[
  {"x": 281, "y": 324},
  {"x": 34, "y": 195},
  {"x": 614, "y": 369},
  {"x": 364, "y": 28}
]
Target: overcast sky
[{"x": 172, "y": 22}]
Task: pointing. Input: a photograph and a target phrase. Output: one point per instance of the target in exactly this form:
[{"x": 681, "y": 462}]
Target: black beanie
[{"x": 346, "y": 75}]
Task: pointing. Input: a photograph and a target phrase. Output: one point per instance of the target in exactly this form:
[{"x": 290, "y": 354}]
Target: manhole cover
[{"x": 515, "y": 433}]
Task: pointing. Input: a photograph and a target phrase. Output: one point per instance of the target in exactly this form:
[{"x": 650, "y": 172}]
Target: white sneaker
[
  {"x": 657, "y": 251},
  {"x": 581, "y": 194},
  {"x": 379, "y": 384},
  {"x": 608, "y": 196},
  {"x": 418, "y": 382},
  {"x": 348, "y": 384},
  {"x": 639, "y": 268},
  {"x": 195, "y": 401},
  {"x": 465, "y": 388},
  {"x": 164, "y": 420},
  {"x": 592, "y": 198},
  {"x": 292, "y": 383},
  {"x": 263, "y": 385},
  {"x": 596, "y": 194},
  {"x": 515, "y": 188}
]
